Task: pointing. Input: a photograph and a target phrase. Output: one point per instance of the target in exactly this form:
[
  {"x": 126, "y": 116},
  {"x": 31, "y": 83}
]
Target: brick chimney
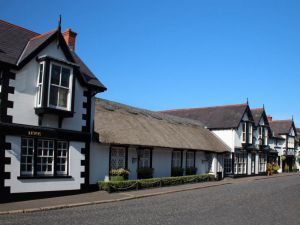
[
  {"x": 70, "y": 38},
  {"x": 270, "y": 118}
]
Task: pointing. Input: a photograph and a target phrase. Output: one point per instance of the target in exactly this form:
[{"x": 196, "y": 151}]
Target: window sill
[
  {"x": 43, "y": 177},
  {"x": 49, "y": 110}
]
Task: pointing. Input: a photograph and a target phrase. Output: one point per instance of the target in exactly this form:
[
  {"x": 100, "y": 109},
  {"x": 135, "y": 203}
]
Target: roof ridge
[
  {"x": 18, "y": 27},
  {"x": 199, "y": 108},
  {"x": 43, "y": 34},
  {"x": 257, "y": 109},
  {"x": 287, "y": 120}
]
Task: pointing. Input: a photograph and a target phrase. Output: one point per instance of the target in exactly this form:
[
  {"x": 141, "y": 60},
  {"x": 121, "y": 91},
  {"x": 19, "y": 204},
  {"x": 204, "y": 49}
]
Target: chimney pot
[{"x": 70, "y": 38}]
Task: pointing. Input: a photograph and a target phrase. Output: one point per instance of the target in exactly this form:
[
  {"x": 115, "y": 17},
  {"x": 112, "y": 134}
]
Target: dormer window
[
  {"x": 247, "y": 132},
  {"x": 54, "y": 87},
  {"x": 60, "y": 87},
  {"x": 263, "y": 135}
]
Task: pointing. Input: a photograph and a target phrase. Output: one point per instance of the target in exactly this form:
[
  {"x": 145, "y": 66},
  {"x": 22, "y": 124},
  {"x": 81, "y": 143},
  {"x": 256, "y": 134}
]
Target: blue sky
[{"x": 165, "y": 54}]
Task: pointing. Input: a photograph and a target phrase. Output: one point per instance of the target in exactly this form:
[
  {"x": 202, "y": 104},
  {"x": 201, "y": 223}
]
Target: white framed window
[
  {"x": 60, "y": 87},
  {"x": 250, "y": 133},
  {"x": 190, "y": 159},
  {"x": 266, "y": 136},
  {"x": 117, "y": 157},
  {"x": 176, "y": 159},
  {"x": 262, "y": 163},
  {"x": 244, "y": 132},
  {"x": 39, "y": 86},
  {"x": 260, "y": 132},
  {"x": 240, "y": 163},
  {"x": 27, "y": 156},
  {"x": 62, "y": 157},
  {"x": 45, "y": 157},
  {"x": 144, "y": 158}
]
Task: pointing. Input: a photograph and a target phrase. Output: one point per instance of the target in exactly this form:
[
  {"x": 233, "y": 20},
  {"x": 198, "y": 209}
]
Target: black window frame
[{"x": 35, "y": 174}]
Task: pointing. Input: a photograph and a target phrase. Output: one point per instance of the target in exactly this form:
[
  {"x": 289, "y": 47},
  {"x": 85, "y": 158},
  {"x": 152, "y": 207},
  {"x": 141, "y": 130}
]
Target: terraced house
[
  {"x": 47, "y": 105},
  {"x": 284, "y": 141},
  {"x": 245, "y": 131}
]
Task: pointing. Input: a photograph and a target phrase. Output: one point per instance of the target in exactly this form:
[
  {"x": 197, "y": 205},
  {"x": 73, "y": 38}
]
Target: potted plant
[
  {"x": 269, "y": 169},
  {"x": 275, "y": 168},
  {"x": 145, "y": 173},
  {"x": 177, "y": 171},
  {"x": 119, "y": 174},
  {"x": 191, "y": 171}
]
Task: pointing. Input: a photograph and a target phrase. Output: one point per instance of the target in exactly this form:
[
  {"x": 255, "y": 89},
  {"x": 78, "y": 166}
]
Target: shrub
[
  {"x": 119, "y": 173},
  {"x": 177, "y": 171},
  {"x": 191, "y": 171},
  {"x": 275, "y": 168},
  {"x": 113, "y": 186},
  {"x": 286, "y": 168},
  {"x": 145, "y": 173},
  {"x": 295, "y": 168},
  {"x": 117, "y": 178}
]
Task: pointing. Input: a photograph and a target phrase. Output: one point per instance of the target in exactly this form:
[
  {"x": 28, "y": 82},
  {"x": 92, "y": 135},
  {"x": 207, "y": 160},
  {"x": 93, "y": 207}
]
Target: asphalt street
[{"x": 271, "y": 201}]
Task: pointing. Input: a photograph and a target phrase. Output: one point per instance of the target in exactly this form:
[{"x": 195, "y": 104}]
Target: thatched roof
[{"x": 122, "y": 124}]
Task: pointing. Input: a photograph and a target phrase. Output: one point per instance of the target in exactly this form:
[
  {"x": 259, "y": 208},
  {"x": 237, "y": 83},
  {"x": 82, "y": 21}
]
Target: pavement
[{"x": 102, "y": 197}]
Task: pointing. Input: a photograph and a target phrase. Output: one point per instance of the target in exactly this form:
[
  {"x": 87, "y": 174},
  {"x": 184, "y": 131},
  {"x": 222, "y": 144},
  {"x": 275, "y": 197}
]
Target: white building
[
  {"x": 245, "y": 131},
  {"x": 134, "y": 138},
  {"x": 284, "y": 142},
  {"x": 47, "y": 102}
]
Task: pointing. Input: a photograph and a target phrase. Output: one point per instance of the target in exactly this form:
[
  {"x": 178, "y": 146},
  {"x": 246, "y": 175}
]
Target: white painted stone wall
[{"x": 34, "y": 185}]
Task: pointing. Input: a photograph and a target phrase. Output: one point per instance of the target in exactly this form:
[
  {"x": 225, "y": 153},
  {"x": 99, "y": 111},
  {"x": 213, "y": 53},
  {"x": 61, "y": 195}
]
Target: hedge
[{"x": 114, "y": 186}]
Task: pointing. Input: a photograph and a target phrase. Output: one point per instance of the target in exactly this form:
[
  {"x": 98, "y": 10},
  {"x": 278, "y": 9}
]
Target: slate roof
[
  {"x": 279, "y": 127},
  {"x": 257, "y": 114},
  {"x": 216, "y": 117},
  {"x": 122, "y": 124},
  {"x": 17, "y": 43}
]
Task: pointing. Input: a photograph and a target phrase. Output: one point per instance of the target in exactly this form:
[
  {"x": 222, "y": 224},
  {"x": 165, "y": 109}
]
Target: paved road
[{"x": 271, "y": 201}]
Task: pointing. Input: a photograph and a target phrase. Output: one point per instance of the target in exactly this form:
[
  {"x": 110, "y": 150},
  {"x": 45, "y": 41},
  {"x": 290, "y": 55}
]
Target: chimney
[
  {"x": 270, "y": 118},
  {"x": 70, "y": 38}
]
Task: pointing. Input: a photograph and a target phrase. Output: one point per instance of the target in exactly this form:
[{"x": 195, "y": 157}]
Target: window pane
[
  {"x": 53, "y": 95},
  {"x": 41, "y": 73},
  {"x": 63, "y": 97},
  {"x": 65, "y": 77},
  {"x": 55, "y": 74}
]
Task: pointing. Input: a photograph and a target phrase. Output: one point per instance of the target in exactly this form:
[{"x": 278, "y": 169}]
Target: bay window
[
  {"x": 40, "y": 85},
  {"x": 265, "y": 136},
  {"x": 54, "y": 86},
  {"x": 240, "y": 163},
  {"x": 247, "y": 132},
  {"x": 44, "y": 157},
  {"x": 250, "y": 133},
  {"x": 244, "y": 132},
  {"x": 262, "y": 163}
]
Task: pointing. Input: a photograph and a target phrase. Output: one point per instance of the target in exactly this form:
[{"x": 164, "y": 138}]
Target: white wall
[
  {"x": 161, "y": 162},
  {"x": 24, "y": 97},
  {"x": 227, "y": 136},
  {"x": 33, "y": 185}
]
